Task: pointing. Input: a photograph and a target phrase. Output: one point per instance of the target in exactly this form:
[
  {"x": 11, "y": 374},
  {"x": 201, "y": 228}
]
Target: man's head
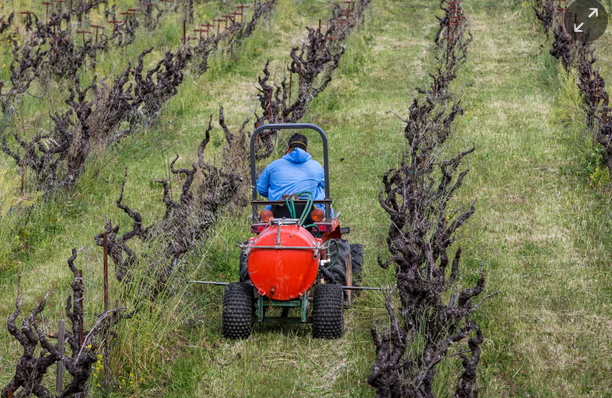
[{"x": 297, "y": 140}]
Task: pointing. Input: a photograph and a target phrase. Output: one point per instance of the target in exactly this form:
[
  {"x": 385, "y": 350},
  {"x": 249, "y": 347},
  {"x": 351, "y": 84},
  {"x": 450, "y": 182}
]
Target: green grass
[
  {"x": 604, "y": 48},
  {"x": 540, "y": 229}
]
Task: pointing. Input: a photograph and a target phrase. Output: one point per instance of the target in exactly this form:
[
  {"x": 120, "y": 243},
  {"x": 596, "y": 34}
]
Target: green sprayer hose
[
  {"x": 291, "y": 206},
  {"x": 306, "y": 211}
]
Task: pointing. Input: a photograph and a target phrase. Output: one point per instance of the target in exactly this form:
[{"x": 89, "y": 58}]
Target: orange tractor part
[{"x": 289, "y": 270}]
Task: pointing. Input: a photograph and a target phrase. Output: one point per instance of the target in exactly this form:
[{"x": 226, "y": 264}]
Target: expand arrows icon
[
  {"x": 594, "y": 11},
  {"x": 585, "y": 20}
]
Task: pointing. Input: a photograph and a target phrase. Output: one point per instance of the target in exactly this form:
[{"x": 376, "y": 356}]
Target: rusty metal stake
[
  {"x": 218, "y": 21},
  {"x": 105, "y": 243},
  {"x": 81, "y": 323},
  {"x": 22, "y": 172},
  {"x": 106, "y": 342},
  {"x": 299, "y": 78},
  {"x": 115, "y": 24},
  {"x": 59, "y": 2},
  {"x": 46, "y": 4},
  {"x": 83, "y": 32},
  {"x": 270, "y": 107},
  {"x": 561, "y": 6},
  {"x": 59, "y": 382},
  {"x": 27, "y": 14},
  {"x": 290, "y": 83},
  {"x": 97, "y": 27},
  {"x": 241, "y": 8},
  {"x": 9, "y": 392},
  {"x": 208, "y": 26}
]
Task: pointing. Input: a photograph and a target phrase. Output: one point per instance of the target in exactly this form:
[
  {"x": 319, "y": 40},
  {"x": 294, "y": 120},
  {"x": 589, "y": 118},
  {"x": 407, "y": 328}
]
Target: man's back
[{"x": 295, "y": 172}]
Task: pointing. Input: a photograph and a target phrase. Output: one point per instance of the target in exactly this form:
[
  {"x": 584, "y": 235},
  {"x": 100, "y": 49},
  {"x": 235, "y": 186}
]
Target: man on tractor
[
  {"x": 296, "y": 172},
  {"x": 297, "y": 258}
]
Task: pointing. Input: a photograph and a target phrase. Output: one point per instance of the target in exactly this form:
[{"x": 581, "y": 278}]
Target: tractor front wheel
[
  {"x": 238, "y": 311},
  {"x": 328, "y": 312}
]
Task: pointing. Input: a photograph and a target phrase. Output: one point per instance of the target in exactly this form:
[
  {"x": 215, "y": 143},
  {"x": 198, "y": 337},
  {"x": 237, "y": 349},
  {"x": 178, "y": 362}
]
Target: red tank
[{"x": 287, "y": 272}]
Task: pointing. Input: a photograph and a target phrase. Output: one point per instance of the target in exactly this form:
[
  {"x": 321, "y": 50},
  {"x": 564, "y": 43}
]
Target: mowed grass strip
[
  {"x": 384, "y": 61},
  {"x": 540, "y": 229},
  {"x": 603, "y": 46}
]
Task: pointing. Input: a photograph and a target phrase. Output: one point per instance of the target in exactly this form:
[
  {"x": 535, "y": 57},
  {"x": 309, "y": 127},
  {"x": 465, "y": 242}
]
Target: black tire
[
  {"x": 238, "y": 311},
  {"x": 339, "y": 250},
  {"x": 244, "y": 271},
  {"x": 328, "y": 312},
  {"x": 357, "y": 263}
]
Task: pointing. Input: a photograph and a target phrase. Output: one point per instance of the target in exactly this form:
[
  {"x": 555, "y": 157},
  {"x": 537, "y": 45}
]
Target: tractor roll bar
[{"x": 290, "y": 126}]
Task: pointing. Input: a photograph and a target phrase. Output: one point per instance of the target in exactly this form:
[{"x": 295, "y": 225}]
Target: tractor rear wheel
[
  {"x": 238, "y": 310},
  {"x": 357, "y": 263},
  {"x": 328, "y": 312},
  {"x": 244, "y": 271},
  {"x": 339, "y": 250}
]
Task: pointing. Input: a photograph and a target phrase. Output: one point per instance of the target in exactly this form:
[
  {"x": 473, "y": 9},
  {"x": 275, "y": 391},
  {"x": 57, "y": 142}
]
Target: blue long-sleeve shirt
[{"x": 295, "y": 172}]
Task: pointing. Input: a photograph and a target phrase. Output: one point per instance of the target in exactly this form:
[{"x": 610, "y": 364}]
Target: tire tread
[
  {"x": 328, "y": 312},
  {"x": 238, "y": 311}
]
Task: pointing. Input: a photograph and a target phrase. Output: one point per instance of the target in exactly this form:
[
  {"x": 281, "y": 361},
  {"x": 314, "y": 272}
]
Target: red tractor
[{"x": 297, "y": 259}]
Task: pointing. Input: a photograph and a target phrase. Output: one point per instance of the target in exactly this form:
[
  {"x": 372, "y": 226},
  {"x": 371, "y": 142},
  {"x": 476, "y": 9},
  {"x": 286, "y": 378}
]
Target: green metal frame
[{"x": 263, "y": 302}]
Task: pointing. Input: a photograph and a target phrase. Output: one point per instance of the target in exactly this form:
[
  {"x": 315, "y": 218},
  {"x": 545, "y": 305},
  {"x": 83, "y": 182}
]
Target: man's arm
[
  {"x": 321, "y": 177},
  {"x": 263, "y": 182}
]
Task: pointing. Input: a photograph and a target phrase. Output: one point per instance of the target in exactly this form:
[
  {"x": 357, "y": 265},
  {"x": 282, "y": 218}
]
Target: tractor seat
[{"x": 282, "y": 211}]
